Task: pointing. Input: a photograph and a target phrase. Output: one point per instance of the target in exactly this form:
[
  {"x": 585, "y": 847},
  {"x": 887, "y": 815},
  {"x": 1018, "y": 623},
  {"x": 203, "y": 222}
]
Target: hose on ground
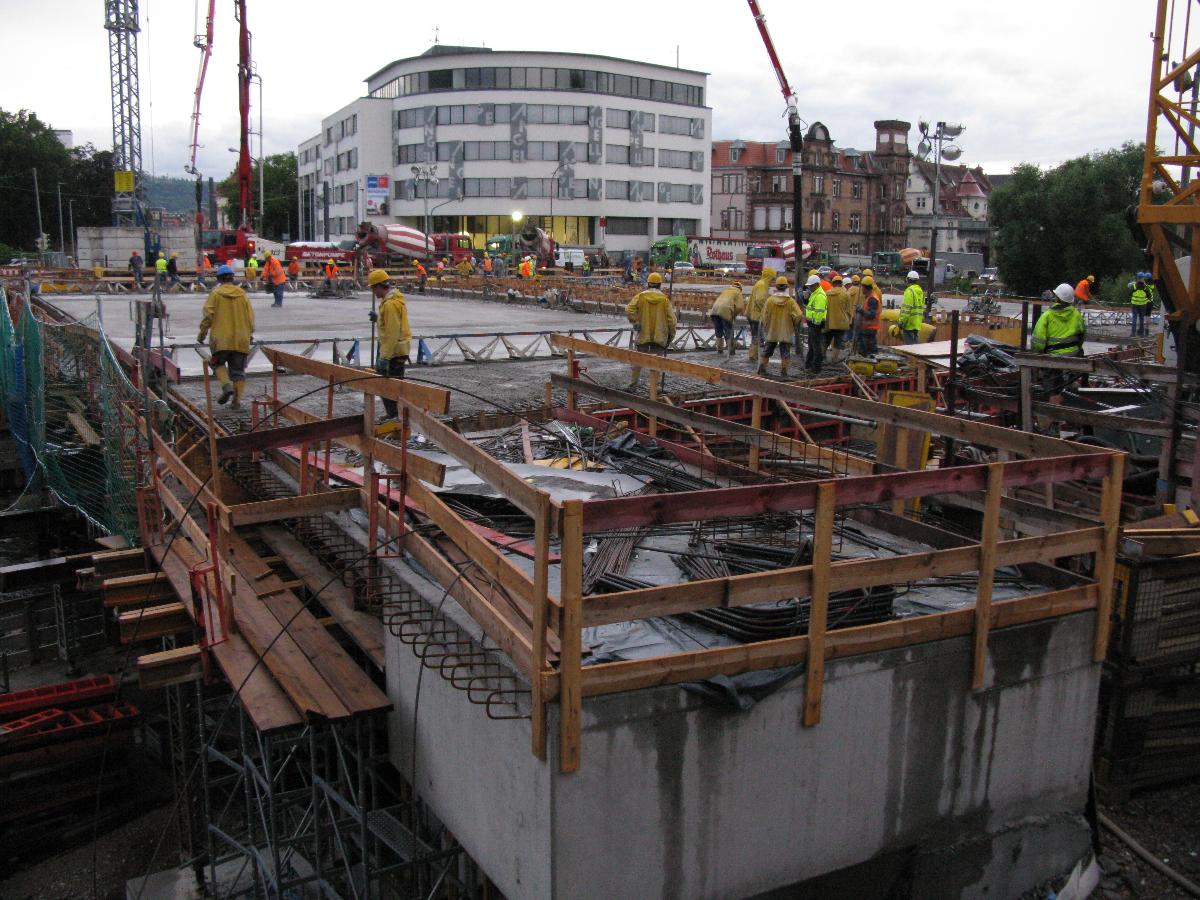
[{"x": 1148, "y": 857}]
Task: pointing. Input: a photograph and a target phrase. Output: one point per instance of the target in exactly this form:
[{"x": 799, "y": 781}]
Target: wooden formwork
[{"x": 542, "y": 633}]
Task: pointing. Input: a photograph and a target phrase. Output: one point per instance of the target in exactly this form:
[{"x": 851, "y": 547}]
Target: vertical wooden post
[
  {"x": 541, "y": 565},
  {"x": 901, "y": 462},
  {"x": 652, "y": 421},
  {"x": 756, "y": 406},
  {"x": 987, "y": 568},
  {"x": 1106, "y": 558},
  {"x": 819, "y": 608},
  {"x": 548, "y": 396},
  {"x": 215, "y": 480},
  {"x": 1026, "y": 398},
  {"x": 570, "y": 696},
  {"x": 572, "y": 373},
  {"x": 328, "y": 415},
  {"x": 402, "y": 530},
  {"x": 370, "y": 482}
]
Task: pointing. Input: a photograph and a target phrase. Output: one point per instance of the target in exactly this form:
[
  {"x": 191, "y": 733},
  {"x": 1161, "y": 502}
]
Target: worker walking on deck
[
  {"x": 275, "y": 276},
  {"x": 724, "y": 312},
  {"x": 838, "y": 317},
  {"x": 395, "y": 335},
  {"x": 815, "y": 311},
  {"x": 781, "y": 315},
  {"x": 912, "y": 309},
  {"x": 137, "y": 265},
  {"x": 754, "y": 308},
  {"x": 1083, "y": 290},
  {"x": 160, "y": 268},
  {"x": 1139, "y": 302},
  {"x": 653, "y": 318},
  {"x": 229, "y": 318}
]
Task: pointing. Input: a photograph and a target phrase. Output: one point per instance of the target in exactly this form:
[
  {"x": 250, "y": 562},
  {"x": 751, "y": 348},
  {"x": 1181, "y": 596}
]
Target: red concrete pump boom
[{"x": 245, "y": 180}]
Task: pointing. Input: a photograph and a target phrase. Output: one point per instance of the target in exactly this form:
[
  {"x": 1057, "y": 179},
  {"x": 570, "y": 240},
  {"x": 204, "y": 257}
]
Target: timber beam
[
  {"x": 436, "y": 400},
  {"x": 168, "y": 667},
  {"x": 288, "y": 436}
]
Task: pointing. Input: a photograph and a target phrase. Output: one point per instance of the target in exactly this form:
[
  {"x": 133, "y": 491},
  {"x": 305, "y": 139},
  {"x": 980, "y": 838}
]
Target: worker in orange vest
[
  {"x": 422, "y": 276},
  {"x": 1083, "y": 290},
  {"x": 205, "y": 269},
  {"x": 293, "y": 271},
  {"x": 331, "y": 274},
  {"x": 487, "y": 266},
  {"x": 274, "y": 275}
]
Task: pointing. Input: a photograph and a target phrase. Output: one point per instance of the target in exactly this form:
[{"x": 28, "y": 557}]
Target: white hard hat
[
  {"x": 812, "y": 279},
  {"x": 913, "y": 276},
  {"x": 1065, "y": 293}
]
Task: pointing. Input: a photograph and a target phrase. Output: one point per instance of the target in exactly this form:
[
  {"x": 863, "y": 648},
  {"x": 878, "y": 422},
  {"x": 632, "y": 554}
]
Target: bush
[
  {"x": 7, "y": 253},
  {"x": 1115, "y": 290}
]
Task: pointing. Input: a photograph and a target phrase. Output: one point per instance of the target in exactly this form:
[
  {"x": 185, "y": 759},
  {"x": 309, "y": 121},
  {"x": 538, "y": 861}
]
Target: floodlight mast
[{"x": 795, "y": 135}]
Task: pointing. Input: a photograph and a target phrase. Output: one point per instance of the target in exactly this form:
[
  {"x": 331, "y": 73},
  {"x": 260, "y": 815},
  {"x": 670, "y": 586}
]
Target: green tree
[
  {"x": 1069, "y": 222},
  {"x": 278, "y": 215},
  {"x": 28, "y": 143}
]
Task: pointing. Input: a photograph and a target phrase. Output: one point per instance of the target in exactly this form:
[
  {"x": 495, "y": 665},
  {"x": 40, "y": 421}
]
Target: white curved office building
[{"x": 597, "y": 150}]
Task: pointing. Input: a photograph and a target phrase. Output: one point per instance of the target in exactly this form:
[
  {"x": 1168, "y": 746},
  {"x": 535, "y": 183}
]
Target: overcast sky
[{"x": 1032, "y": 80}]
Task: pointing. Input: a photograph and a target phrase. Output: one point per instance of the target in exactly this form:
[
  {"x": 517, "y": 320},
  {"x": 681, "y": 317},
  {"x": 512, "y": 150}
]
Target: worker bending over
[
  {"x": 725, "y": 309},
  {"x": 395, "y": 335},
  {"x": 781, "y": 315},
  {"x": 228, "y": 321},
  {"x": 912, "y": 309},
  {"x": 1083, "y": 290},
  {"x": 754, "y": 309},
  {"x": 653, "y": 318}
]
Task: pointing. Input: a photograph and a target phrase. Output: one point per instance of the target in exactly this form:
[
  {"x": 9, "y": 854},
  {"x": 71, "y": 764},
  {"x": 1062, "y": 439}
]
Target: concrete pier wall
[{"x": 980, "y": 792}]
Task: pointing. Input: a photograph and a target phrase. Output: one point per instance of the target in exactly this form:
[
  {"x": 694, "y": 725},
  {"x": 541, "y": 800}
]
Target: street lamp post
[
  {"x": 262, "y": 196},
  {"x": 425, "y": 174},
  {"x": 74, "y": 240},
  {"x": 517, "y": 216},
  {"x": 939, "y": 143}
]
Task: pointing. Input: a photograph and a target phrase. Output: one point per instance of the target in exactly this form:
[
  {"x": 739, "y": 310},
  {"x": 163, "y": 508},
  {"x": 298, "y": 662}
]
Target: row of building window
[
  {"x": 343, "y": 129},
  {"x": 552, "y": 151},
  {"x": 540, "y": 188},
  {"x": 637, "y": 191},
  {"x": 505, "y": 78},
  {"x": 312, "y": 154},
  {"x": 546, "y": 114}
]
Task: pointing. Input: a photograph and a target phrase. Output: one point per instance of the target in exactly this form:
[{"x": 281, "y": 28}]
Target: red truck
[
  {"x": 317, "y": 252},
  {"x": 227, "y": 244},
  {"x": 455, "y": 247}
]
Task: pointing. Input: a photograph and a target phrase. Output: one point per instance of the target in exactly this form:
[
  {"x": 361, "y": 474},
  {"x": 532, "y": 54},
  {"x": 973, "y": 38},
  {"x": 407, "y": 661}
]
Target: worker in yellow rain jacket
[
  {"x": 653, "y": 318},
  {"x": 912, "y": 309},
  {"x": 781, "y": 315},
  {"x": 228, "y": 321},
  {"x": 395, "y": 335},
  {"x": 754, "y": 309},
  {"x": 838, "y": 317},
  {"x": 729, "y": 304},
  {"x": 815, "y": 311}
]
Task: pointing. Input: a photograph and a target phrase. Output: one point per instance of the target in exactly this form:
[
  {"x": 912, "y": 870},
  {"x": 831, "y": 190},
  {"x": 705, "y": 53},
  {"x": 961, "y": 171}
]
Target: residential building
[
  {"x": 596, "y": 150},
  {"x": 962, "y": 217},
  {"x": 853, "y": 200}
]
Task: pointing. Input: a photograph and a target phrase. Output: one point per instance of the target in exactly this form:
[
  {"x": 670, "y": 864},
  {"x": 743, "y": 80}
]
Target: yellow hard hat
[
  {"x": 737, "y": 284},
  {"x": 329, "y": 262},
  {"x": 1092, "y": 278},
  {"x": 781, "y": 282},
  {"x": 266, "y": 253},
  {"x": 868, "y": 281},
  {"x": 812, "y": 272},
  {"x": 867, "y": 272},
  {"x": 855, "y": 278},
  {"x": 654, "y": 278},
  {"x": 378, "y": 276},
  {"x": 173, "y": 255},
  {"x": 894, "y": 331},
  {"x": 768, "y": 272},
  {"x": 161, "y": 255}
]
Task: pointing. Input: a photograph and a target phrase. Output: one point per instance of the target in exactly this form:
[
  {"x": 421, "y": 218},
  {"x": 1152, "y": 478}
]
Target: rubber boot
[
  {"x": 783, "y": 367},
  {"x": 238, "y": 388},
  {"x": 762, "y": 366},
  {"x": 720, "y": 344},
  {"x": 635, "y": 378},
  {"x": 753, "y": 349},
  {"x": 222, "y": 374}
]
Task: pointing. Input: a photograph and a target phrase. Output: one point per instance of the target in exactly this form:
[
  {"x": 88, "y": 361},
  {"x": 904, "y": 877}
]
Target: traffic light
[{"x": 43, "y": 241}]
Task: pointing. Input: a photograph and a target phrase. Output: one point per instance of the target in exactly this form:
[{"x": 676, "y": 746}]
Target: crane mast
[
  {"x": 795, "y": 134},
  {"x": 245, "y": 179}
]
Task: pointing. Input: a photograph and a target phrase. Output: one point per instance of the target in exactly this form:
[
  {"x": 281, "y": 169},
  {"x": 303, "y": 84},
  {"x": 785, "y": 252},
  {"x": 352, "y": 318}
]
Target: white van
[{"x": 572, "y": 255}]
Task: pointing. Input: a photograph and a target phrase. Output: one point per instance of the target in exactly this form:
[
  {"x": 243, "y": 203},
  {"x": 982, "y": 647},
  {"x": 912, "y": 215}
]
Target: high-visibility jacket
[
  {"x": 781, "y": 313},
  {"x": 274, "y": 271},
  {"x": 729, "y": 304},
  {"x": 838, "y": 317},
  {"x": 818, "y": 306},
  {"x": 868, "y": 313},
  {"x": 1059, "y": 331},
  {"x": 758, "y": 297},
  {"x": 331, "y": 271},
  {"x": 651, "y": 313},
  {"x": 1140, "y": 297},
  {"x": 229, "y": 317},
  {"x": 160, "y": 266},
  {"x": 421, "y": 271},
  {"x": 1083, "y": 291},
  {"x": 205, "y": 264},
  {"x": 294, "y": 268},
  {"x": 487, "y": 264},
  {"x": 252, "y": 267},
  {"x": 395, "y": 336},
  {"x": 912, "y": 309}
]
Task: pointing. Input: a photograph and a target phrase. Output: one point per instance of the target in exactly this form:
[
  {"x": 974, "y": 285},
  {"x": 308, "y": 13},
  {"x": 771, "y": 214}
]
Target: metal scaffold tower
[{"x": 121, "y": 22}]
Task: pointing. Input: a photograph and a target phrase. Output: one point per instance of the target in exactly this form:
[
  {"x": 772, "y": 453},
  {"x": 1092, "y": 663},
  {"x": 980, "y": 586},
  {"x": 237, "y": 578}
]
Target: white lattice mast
[{"x": 121, "y": 22}]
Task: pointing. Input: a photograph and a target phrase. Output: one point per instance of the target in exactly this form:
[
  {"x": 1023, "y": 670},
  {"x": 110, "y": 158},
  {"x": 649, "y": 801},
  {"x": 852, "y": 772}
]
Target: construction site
[{"x": 926, "y": 626}]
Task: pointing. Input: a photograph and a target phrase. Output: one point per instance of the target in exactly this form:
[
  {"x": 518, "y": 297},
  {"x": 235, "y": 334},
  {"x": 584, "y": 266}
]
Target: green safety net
[{"x": 74, "y": 415}]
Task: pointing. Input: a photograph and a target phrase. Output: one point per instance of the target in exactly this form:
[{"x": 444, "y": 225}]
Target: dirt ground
[{"x": 1167, "y": 823}]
